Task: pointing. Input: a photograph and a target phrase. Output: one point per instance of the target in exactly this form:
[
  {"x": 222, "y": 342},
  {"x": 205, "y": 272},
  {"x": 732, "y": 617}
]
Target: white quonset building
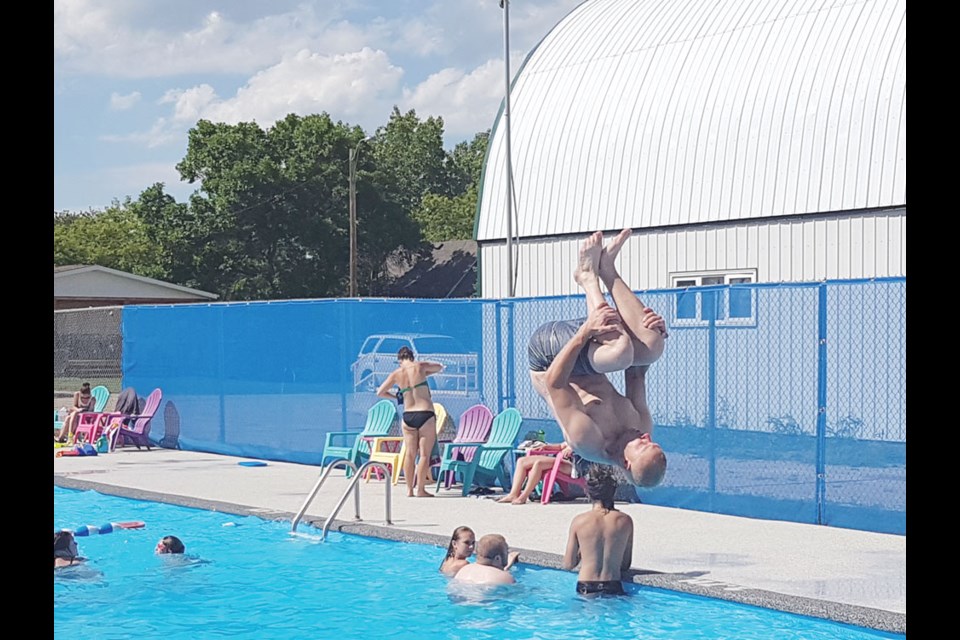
[{"x": 741, "y": 140}]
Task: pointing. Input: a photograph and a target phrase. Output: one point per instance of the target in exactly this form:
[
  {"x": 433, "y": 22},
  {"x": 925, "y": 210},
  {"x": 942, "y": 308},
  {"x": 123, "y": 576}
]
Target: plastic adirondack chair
[
  {"x": 122, "y": 429},
  {"x": 380, "y": 446},
  {"x": 487, "y": 465},
  {"x": 91, "y": 423},
  {"x": 473, "y": 429},
  {"x": 555, "y": 476},
  {"x": 351, "y": 445}
]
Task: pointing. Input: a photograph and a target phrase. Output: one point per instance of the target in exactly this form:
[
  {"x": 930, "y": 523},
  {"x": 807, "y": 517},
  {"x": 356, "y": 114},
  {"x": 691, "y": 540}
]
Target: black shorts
[
  {"x": 601, "y": 588},
  {"x": 547, "y": 341}
]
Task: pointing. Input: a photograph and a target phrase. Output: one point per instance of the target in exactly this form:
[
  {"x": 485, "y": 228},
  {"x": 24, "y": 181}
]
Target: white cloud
[
  {"x": 96, "y": 37},
  {"x": 352, "y": 85},
  {"x": 468, "y": 102},
  {"x": 159, "y": 39},
  {"x": 358, "y": 87},
  {"x": 120, "y": 103}
]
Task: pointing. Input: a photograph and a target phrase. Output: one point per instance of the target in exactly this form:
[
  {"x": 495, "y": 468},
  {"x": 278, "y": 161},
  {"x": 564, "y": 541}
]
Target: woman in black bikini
[{"x": 419, "y": 420}]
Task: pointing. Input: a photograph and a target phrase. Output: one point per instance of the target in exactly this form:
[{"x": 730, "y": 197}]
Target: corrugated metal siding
[
  {"x": 783, "y": 250},
  {"x": 644, "y": 113}
]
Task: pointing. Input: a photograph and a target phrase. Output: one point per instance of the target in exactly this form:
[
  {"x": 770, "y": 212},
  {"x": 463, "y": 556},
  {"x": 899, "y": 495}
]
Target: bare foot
[
  {"x": 424, "y": 494},
  {"x": 608, "y": 257},
  {"x": 589, "y": 262},
  {"x": 506, "y": 498},
  {"x": 520, "y": 501}
]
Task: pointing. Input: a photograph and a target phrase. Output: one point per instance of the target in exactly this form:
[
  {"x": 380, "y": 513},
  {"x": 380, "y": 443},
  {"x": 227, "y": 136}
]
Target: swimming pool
[{"x": 245, "y": 577}]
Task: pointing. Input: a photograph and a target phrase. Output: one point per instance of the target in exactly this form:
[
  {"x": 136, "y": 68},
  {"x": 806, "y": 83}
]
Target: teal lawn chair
[
  {"x": 487, "y": 465},
  {"x": 351, "y": 445}
]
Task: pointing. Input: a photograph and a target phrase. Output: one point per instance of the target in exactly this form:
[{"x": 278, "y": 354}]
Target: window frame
[{"x": 695, "y": 280}]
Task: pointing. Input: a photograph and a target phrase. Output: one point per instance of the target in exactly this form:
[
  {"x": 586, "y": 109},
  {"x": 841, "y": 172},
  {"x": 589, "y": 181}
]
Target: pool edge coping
[{"x": 687, "y": 582}]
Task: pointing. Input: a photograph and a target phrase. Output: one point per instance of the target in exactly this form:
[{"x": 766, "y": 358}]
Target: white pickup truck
[{"x": 378, "y": 357}]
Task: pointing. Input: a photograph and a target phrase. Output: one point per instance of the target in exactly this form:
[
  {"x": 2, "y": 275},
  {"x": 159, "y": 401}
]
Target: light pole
[
  {"x": 505, "y": 4},
  {"x": 353, "y": 216}
]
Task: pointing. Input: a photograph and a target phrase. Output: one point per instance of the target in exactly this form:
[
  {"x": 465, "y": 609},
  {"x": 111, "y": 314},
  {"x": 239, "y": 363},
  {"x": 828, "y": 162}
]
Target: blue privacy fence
[{"x": 782, "y": 401}]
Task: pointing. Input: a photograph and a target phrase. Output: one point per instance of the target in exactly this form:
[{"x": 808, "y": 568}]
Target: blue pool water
[{"x": 244, "y": 577}]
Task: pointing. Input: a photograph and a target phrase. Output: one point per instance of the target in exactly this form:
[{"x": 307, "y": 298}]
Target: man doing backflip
[{"x": 569, "y": 361}]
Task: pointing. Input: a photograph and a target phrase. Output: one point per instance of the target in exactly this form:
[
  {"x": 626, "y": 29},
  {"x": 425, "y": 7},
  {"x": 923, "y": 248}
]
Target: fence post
[
  {"x": 499, "y": 342},
  {"x": 511, "y": 390},
  {"x": 821, "y": 399},
  {"x": 220, "y": 356},
  {"x": 344, "y": 357},
  {"x": 711, "y": 298}
]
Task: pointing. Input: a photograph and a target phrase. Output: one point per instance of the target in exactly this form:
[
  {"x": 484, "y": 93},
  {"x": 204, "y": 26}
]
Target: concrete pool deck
[{"x": 850, "y": 576}]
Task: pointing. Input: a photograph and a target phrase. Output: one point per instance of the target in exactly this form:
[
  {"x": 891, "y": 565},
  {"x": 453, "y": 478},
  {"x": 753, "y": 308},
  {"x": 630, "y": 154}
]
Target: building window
[{"x": 731, "y": 305}]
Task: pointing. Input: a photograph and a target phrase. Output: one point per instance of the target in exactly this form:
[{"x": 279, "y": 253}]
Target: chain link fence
[
  {"x": 87, "y": 347},
  {"x": 783, "y": 401}
]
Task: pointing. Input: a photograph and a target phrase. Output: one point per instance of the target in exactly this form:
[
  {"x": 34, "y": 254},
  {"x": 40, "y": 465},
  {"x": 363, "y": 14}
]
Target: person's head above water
[
  {"x": 644, "y": 461},
  {"x": 492, "y": 549},
  {"x": 405, "y": 353},
  {"x": 64, "y": 545},
  {"x": 170, "y": 544},
  {"x": 462, "y": 543}
]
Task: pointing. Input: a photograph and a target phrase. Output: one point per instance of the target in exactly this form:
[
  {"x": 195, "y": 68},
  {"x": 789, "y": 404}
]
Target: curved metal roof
[{"x": 644, "y": 113}]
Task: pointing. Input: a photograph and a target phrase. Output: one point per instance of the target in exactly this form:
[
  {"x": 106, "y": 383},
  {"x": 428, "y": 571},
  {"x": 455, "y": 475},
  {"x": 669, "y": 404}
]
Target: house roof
[
  {"x": 448, "y": 270},
  {"x": 95, "y": 281}
]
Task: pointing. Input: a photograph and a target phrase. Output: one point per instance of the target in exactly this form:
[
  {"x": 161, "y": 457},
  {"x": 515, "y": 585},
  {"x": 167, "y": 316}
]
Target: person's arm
[
  {"x": 571, "y": 557},
  {"x": 567, "y": 404},
  {"x": 430, "y": 368},
  {"x": 628, "y": 552},
  {"x": 76, "y": 401},
  {"x": 512, "y": 558},
  {"x": 384, "y": 390},
  {"x": 601, "y": 320},
  {"x": 635, "y": 383}
]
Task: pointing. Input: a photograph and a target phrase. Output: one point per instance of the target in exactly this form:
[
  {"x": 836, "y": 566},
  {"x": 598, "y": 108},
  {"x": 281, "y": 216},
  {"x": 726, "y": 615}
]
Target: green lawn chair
[
  {"x": 351, "y": 445},
  {"x": 487, "y": 468}
]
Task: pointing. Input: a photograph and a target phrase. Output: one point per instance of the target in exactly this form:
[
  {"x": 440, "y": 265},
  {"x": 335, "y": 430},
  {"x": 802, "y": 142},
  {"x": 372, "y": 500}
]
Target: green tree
[
  {"x": 115, "y": 238},
  {"x": 270, "y": 219},
  {"x": 451, "y": 216},
  {"x": 410, "y": 152},
  {"x": 444, "y": 218}
]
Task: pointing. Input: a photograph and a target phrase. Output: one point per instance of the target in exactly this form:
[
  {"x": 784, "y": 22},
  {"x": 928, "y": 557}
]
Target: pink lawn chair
[
  {"x": 134, "y": 429},
  {"x": 555, "y": 476},
  {"x": 474, "y": 426}
]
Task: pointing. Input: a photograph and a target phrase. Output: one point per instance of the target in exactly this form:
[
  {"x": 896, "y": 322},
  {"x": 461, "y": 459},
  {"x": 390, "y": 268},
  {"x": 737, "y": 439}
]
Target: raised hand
[
  {"x": 653, "y": 320},
  {"x": 602, "y": 320}
]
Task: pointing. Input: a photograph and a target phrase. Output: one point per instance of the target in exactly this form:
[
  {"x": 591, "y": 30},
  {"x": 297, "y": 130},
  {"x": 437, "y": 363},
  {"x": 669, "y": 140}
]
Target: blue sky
[{"x": 131, "y": 77}]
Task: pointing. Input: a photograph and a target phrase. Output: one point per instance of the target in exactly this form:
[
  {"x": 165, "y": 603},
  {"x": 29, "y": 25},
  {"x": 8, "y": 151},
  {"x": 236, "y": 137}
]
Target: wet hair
[
  {"x": 493, "y": 544},
  {"x": 64, "y": 546},
  {"x": 62, "y": 540},
  {"x": 405, "y": 354},
  {"x": 601, "y": 484},
  {"x": 173, "y": 544},
  {"x": 454, "y": 538}
]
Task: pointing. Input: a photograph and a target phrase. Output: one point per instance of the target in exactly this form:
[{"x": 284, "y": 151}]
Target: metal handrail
[
  {"x": 353, "y": 484},
  {"x": 323, "y": 478},
  {"x": 357, "y": 473}
]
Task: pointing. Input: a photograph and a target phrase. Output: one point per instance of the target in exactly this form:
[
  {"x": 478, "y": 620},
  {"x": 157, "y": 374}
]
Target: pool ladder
[{"x": 353, "y": 486}]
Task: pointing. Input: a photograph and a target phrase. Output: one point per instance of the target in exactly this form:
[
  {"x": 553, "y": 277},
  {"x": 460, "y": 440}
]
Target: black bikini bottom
[
  {"x": 601, "y": 587},
  {"x": 416, "y": 419}
]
